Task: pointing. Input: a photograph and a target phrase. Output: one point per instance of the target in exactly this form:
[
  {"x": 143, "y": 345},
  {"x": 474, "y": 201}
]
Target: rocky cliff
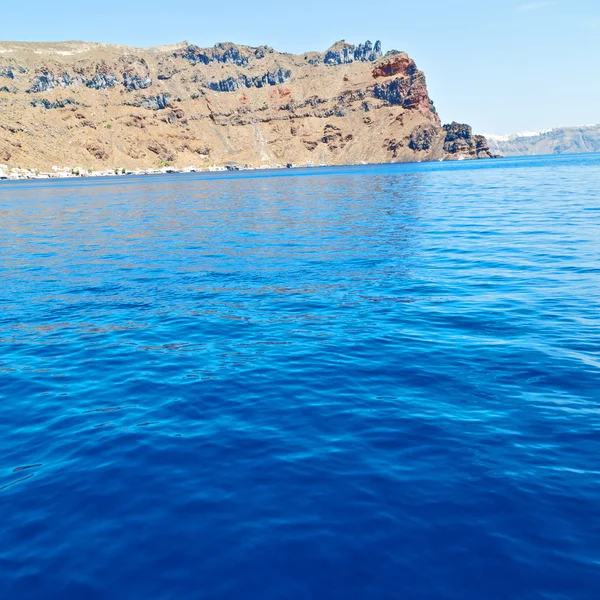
[
  {"x": 562, "y": 140},
  {"x": 461, "y": 143},
  {"x": 100, "y": 106}
]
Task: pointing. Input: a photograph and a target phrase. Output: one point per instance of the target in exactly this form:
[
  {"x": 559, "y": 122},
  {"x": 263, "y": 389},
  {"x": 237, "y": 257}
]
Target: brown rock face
[{"x": 97, "y": 106}]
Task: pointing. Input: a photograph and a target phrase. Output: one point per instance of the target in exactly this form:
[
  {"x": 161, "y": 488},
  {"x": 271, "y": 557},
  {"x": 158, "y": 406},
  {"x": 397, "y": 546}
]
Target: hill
[
  {"x": 562, "y": 140},
  {"x": 97, "y": 106}
]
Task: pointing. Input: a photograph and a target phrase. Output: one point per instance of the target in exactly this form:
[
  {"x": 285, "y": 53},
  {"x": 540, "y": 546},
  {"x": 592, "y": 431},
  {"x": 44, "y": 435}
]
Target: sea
[{"x": 367, "y": 382}]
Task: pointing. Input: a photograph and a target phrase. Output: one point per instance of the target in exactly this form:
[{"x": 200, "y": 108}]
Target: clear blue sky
[{"x": 501, "y": 65}]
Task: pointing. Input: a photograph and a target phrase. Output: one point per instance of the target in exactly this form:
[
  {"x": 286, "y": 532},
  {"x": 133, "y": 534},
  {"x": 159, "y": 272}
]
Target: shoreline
[
  {"x": 17, "y": 174},
  {"x": 20, "y": 174}
]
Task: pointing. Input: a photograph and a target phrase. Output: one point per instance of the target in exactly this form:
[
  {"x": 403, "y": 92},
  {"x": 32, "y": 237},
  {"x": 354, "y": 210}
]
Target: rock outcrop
[
  {"x": 343, "y": 53},
  {"x": 102, "y": 81},
  {"x": 460, "y": 142},
  {"x": 225, "y": 105},
  {"x": 48, "y": 105},
  {"x": 12, "y": 72},
  {"x": 7, "y": 72},
  {"x": 231, "y": 84},
  {"x": 222, "y": 53},
  {"x": 46, "y": 82},
  {"x": 134, "y": 82},
  {"x": 159, "y": 102}
]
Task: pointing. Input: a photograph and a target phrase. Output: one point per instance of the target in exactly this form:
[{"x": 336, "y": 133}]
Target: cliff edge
[{"x": 99, "y": 106}]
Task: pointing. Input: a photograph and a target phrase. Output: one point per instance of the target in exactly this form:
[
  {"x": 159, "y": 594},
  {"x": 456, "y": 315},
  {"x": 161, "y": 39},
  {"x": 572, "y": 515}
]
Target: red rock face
[
  {"x": 407, "y": 87},
  {"x": 412, "y": 85},
  {"x": 401, "y": 65},
  {"x": 419, "y": 95}
]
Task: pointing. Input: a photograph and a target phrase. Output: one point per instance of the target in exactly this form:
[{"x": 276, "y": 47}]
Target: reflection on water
[{"x": 269, "y": 384}]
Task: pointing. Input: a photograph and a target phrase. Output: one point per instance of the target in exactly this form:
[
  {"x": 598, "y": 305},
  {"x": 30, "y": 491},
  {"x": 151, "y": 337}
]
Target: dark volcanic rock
[
  {"x": 159, "y": 102},
  {"x": 42, "y": 83},
  {"x": 134, "y": 82},
  {"x": 193, "y": 55},
  {"x": 393, "y": 146},
  {"x": 221, "y": 53},
  {"x": 56, "y": 104},
  {"x": 409, "y": 92},
  {"x": 228, "y": 53},
  {"x": 262, "y": 51},
  {"x": 7, "y": 72},
  {"x": 97, "y": 151},
  {"x": 334, "y": 138},
  {"x": 175, "y": 116},
  {"x": 344, "y": 53},
  {"x": 161, "y": 151},
  {"x": 422, "y": 138},
  {"x": 10, "y": 72},
  {"x": 392, "y": 92},
  {"x": 368, "y": 52},
  {"x": 65, "y": 80},
  {"x": 46, "y": 82},
  {"x": 231, "y": 84},
  {"x": 460, "y": 142},
  {"x": 102, "y": 81}
]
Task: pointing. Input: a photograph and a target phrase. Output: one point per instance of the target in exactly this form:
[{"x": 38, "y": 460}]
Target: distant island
[
  {"x": 75, "y": 108},
  {"x": 562, "y": 140}
]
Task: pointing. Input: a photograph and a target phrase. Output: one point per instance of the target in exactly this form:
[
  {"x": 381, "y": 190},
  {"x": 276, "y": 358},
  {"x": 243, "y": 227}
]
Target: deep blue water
[{"x": 367, "y": 382}]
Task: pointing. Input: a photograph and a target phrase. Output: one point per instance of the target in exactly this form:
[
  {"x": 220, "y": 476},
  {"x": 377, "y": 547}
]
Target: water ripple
[{"x": 364, "y": 382}]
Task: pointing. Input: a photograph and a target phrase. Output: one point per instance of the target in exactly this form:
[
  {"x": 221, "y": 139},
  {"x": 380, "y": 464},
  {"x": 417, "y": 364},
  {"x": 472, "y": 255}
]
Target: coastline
[{"x": 17, "y": 174}]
